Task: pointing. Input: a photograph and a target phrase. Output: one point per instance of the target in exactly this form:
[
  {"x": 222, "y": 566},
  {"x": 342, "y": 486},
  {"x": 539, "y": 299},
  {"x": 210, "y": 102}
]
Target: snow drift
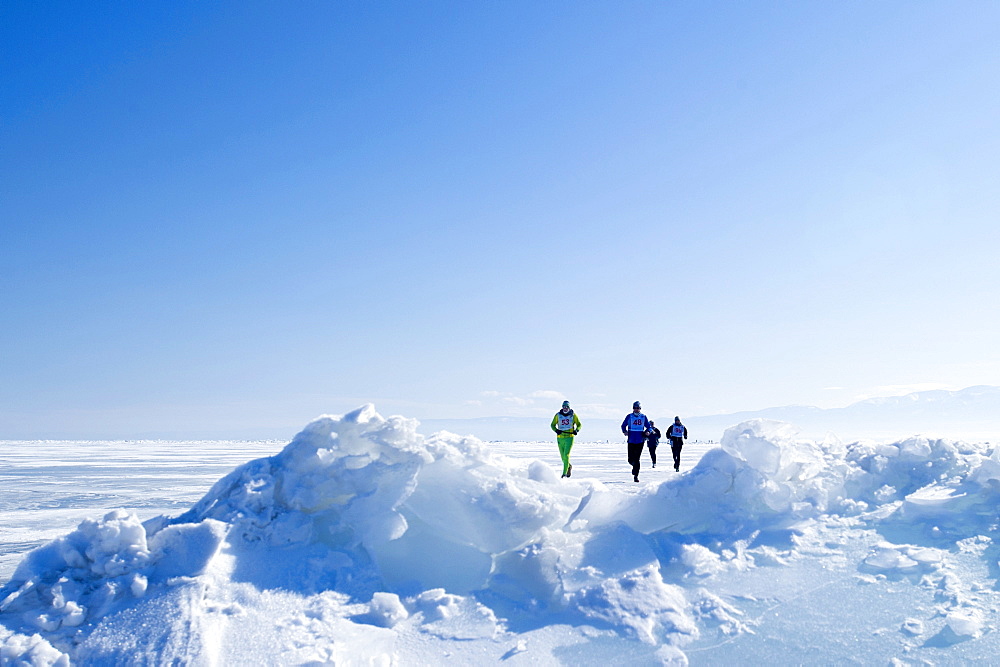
[{"x": 362, "y": 533}]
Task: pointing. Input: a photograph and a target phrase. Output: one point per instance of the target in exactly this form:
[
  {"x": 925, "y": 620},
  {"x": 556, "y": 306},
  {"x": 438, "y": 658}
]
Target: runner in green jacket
[{"x": 566, "y": 425}]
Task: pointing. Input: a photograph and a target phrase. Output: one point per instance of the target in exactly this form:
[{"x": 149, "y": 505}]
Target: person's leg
[
  {"x": 676, "y": 450},
  {"x": 565, "y": 445},
  {"x": 652, "y": 453},
  {"x": 635, "y": 458}
]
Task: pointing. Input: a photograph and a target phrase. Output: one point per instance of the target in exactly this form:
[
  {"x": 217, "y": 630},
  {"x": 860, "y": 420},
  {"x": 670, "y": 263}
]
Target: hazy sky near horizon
[{"x": 228, "y": 218}]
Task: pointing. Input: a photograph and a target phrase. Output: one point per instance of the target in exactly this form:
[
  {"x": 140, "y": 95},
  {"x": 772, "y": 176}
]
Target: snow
[{"x": 364, "y": 540}]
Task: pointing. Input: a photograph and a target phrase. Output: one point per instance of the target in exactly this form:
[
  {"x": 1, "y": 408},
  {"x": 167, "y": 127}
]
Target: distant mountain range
[{"x": 968, "y": 414}]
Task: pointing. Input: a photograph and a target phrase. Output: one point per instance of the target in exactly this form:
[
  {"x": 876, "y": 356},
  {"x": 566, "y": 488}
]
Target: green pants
[{"x": 565, "y": 444}]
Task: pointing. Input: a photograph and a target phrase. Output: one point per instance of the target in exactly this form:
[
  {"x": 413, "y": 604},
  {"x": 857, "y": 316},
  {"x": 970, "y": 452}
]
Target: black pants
[
  {"x": 676, "y": 449},
  {"x": 634, "y": 454},
  {"x": 652, "y": 450}
]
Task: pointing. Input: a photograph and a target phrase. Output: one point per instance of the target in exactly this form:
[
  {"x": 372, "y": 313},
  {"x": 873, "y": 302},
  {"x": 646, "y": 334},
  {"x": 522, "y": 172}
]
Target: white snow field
[{"x": 364, "y": 542}]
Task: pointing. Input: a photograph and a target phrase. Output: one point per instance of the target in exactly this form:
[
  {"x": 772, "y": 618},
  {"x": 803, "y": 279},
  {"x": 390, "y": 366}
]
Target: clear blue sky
[{"x": 227, "y": 218}]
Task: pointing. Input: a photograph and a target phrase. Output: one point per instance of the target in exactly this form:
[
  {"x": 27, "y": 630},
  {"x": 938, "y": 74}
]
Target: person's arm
[
  {"x": 555, "y": 420},
  {"x": 576, "y": 424},
  {"x": 625, "y": 425},
  {"x": 685, "y": 432}
]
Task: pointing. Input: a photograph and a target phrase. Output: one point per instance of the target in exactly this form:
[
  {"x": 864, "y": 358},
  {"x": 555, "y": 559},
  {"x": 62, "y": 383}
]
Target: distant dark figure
[
  {"x": 652, "y": 440},
  {"x": 678, "y": 434}
]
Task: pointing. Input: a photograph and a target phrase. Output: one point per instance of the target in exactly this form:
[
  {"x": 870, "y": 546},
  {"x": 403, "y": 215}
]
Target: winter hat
[
  {"x": 565, "y": 404},
  {"x": 636, "y": 405}
]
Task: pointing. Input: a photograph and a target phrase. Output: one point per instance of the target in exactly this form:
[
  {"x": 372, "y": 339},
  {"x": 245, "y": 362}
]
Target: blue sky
[{"x": 224, "y": 219}]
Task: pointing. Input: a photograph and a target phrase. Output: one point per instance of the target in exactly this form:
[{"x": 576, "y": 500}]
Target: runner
[
  {"x": 652, "y": 440},
  {"x": 635, "y": 427},
  {"x": 678, "y": 433},
  {"x": 566, "y": 424}
]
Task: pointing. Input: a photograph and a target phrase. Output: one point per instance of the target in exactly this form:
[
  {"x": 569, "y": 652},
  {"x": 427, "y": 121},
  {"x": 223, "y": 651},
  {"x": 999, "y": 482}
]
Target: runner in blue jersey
[{"x": 636, "y": 427}]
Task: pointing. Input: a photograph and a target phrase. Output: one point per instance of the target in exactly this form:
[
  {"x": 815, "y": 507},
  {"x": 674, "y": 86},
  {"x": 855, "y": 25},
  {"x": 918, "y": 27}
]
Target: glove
[{"x": 575, "y": 431}]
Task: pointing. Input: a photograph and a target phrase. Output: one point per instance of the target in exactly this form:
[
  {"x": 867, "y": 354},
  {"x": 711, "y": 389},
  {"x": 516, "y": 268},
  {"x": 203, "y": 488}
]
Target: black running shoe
[{"x": 569, "y": 471}]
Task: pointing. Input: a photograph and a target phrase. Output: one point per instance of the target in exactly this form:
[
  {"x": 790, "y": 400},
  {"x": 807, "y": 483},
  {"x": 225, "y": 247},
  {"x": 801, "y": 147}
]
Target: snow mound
[{"x": 362, "y": 531}]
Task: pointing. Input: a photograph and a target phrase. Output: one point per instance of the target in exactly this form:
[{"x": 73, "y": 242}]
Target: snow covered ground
[{"x": 367, "y": 541}]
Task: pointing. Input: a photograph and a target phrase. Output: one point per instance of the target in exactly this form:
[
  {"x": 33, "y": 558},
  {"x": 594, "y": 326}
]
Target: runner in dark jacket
[
  {"x": 652, "y": 440},
  {"x": 678, "y": 433}
]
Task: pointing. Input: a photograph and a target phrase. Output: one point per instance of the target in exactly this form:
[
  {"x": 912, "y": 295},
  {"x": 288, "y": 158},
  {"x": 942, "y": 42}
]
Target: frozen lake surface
[
  {"x": 361, "y": 539},
  {"x": 48, "y": 487}
]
